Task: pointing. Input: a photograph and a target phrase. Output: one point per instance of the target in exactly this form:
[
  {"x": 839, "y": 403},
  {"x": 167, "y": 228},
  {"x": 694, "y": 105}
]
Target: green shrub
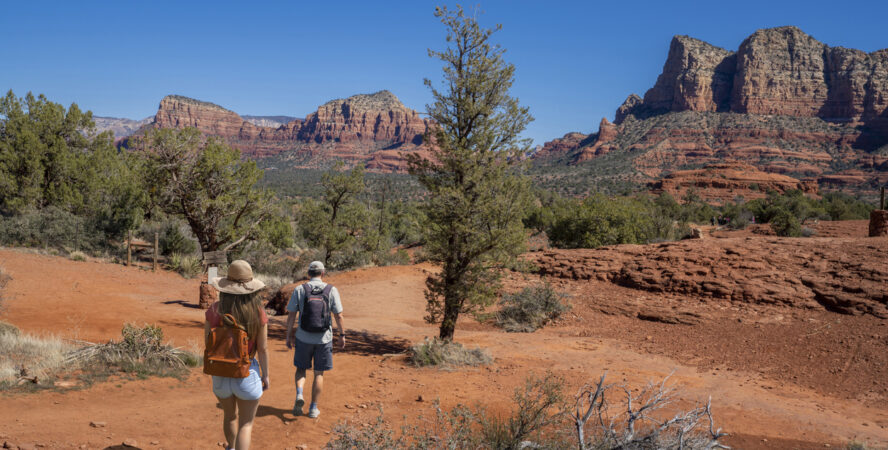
[
  {"x": 189, "y": 266},
  {"x": 447, "y": 354},
  {"x": 173, "y": 240},
  {"x": 50, "y": 228},
  {"x": 785, "y": 224},
  {"x": 531, "y": 308}
]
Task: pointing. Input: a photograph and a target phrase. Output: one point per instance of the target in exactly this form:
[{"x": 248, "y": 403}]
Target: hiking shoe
[
  {"x": 297, "y": 407},
  {"x": 314, "y": 412}
]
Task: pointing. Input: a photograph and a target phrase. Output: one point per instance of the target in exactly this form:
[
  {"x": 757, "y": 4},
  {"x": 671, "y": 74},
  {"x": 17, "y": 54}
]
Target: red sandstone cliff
[
  {"x": 352, "y": 130},
  {"x": 783, "y": 102}
]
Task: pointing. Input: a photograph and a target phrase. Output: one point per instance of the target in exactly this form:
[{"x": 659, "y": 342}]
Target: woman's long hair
[{"x": 244, "y": 308}]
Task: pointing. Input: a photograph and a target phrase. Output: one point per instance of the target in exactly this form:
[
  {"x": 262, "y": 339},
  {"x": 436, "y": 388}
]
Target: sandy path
[{"x": 383, "y": 307}]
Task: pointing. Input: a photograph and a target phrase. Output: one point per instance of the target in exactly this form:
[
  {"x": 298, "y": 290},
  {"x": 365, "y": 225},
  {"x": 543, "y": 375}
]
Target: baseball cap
[{"x": 316, "y": 266}]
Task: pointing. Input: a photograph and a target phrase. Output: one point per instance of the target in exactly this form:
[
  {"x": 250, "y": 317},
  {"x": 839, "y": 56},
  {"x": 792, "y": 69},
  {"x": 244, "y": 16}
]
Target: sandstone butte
[
  {"x": 371, "y": 128},
  {"x": 783, "y": 103}
]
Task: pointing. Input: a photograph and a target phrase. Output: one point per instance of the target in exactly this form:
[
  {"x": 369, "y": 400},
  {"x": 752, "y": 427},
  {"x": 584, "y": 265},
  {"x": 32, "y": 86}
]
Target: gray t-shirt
[{"x": 297, "y": 300}]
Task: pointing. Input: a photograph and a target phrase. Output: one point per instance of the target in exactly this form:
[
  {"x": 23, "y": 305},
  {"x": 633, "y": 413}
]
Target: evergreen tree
[
  {"x": 204, "y": 181},
  {"x": 477, "y": 196},
  {"x": 336, "y": 221}
]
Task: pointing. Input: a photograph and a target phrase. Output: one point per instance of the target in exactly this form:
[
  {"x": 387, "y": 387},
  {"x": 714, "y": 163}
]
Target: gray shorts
[
  {"x": 322, "y": 354},
  {"x": 249, "y": 388}
]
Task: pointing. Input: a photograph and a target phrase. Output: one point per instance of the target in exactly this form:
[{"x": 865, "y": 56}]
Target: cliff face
[
  {"x": 351, "y": 130},
  {"x": 783, "y": 102},
  {"x": 775, "y": 71}
]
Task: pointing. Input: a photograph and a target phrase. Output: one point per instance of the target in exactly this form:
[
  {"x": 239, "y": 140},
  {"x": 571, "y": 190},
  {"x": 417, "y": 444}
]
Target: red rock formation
[
  {"x": 784, "y": 102},
  {"x": 720, "y": 183},
  {"x": 844, "y": 275},
  {"x": 351, "y": 130}
]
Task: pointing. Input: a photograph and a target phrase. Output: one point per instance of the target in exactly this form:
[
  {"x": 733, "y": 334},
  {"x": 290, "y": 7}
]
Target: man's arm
[
  {"x": 292, "y": 312},
  {"x": 291, "y": 319},
  {"x": 338, "y": 317}
]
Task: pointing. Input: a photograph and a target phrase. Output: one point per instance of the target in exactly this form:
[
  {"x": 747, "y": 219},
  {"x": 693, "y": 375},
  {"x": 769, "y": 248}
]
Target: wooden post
[
  {"x": 882, "y": 197},
  {"x": 154, "y": 269},
  {"x": 129, "y": 248}
]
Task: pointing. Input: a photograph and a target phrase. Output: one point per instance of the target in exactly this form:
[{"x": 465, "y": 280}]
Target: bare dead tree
[{"x": 636, "y": 427}]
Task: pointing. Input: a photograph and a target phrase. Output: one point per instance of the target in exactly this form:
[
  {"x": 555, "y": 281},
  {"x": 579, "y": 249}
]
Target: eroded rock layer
[{"x": 724, "y": 182}]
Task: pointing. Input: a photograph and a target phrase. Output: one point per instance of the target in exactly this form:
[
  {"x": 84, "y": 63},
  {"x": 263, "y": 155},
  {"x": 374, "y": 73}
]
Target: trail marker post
[{"x": 211, "y": 261}]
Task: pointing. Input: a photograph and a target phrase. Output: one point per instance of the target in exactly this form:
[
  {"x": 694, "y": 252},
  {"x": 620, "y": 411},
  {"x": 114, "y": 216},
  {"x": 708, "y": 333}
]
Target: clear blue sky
[{"x": 576, "y": 61}]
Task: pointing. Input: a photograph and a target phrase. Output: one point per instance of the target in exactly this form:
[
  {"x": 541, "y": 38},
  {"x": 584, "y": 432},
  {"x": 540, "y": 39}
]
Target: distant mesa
[
  {"x": 351, "y": 130},
  {"x": 782, "y": 103}
]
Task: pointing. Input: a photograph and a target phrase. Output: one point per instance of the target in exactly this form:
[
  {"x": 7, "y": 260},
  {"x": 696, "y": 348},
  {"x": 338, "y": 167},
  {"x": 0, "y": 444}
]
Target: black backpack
[{"x": 315, "y": 316}]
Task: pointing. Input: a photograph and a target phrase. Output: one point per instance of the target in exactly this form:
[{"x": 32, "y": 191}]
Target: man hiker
[{"x": 313, "y": 304}]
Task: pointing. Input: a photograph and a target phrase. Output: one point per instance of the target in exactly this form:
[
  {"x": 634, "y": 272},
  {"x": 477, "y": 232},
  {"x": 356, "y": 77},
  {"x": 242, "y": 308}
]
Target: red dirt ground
[{"x": 779, "y": 376}]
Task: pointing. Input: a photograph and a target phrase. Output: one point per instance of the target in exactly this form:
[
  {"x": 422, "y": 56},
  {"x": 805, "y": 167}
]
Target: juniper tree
[
  {"x": 338, "y": 219},
  {"x": 476, "y": 194},
  {"x": 204, "y": 181}
]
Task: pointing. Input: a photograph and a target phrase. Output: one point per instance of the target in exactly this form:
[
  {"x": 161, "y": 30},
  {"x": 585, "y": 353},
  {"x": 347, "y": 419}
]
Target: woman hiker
[{"x": 238, "y": 296}]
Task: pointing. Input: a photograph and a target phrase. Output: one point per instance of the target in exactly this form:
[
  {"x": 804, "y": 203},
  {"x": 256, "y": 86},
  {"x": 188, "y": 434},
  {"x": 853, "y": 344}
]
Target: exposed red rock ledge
[{"x": 720, "y": 183}]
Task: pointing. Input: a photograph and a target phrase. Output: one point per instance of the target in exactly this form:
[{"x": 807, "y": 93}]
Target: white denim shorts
[{"x": 249, "y": 388}]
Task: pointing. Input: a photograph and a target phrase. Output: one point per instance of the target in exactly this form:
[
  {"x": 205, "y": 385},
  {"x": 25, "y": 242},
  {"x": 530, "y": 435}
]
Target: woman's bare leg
[
  {"x": 247, "y": 410},
  {"x": 229, "y": 419}
]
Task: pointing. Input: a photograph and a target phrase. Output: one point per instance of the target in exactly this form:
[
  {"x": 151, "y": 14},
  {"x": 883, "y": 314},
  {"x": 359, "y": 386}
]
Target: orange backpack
[{"x": 227, "y": 350}]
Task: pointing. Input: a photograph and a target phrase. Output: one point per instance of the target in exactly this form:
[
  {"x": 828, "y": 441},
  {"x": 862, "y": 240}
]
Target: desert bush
[
  {"x": 808, "y": 232},
  {"x": 27, "y": 356},
  {"x": 531, "y": 308},
  {"x": 77, "y": 256},
  {"x": 273, "y": 283},
  {"x": 173, "y": 238},
  {"x": 8, "y": 328},
  {"x": 447, "y": 354},
  {"x": 189, "y": 266},
  {"x": 50, "y": 228},
  {"x": 786, "y": 224},
  {"x": 140, "y": 351},
  {"x": 541, "y": 418},
  {"x": 376, "y": 435},
  {"x": 539, "y": 405}
]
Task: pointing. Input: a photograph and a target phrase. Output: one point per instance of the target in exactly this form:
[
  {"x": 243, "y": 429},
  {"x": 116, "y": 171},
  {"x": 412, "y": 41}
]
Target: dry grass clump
[
  {"x": 77, "y": 256},
  {"x": 447, "y": 354},
  {"x": 29, "y": 359},
  {"x": 141, "y": 351}
]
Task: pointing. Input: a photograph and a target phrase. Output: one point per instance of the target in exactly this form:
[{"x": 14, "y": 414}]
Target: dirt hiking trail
[{"x": 763, "y": 371}]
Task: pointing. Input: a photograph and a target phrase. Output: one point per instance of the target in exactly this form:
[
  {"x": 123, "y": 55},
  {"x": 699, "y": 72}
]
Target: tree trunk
[{"x": 448, "y": 324}]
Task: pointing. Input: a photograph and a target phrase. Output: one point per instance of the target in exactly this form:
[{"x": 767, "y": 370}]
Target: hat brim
[{"x": 223, "y": 284}]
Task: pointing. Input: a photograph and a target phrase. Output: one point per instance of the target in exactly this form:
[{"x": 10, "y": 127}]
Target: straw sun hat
[{"x": 239, "y": 279}]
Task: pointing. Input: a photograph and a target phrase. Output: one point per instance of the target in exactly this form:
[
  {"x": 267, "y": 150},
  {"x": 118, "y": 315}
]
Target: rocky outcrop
[
  {"x": 845, "y": 275},
  {"x": 723, "y": 182},
  {"x": 697, "y": 76},
  {"x": 350, "y": 130},
  {"x": 775, "y": 71},
  {"x": 783, "y": 102}
]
